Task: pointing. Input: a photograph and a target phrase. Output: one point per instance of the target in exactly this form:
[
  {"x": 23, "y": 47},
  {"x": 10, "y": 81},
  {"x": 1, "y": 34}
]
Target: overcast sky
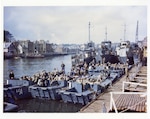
[{"x": 60, "y": 24}]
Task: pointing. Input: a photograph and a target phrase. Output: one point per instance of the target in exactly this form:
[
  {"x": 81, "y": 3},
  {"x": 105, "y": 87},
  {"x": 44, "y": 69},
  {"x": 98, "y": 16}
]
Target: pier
[{"x": 103, "y": 100}]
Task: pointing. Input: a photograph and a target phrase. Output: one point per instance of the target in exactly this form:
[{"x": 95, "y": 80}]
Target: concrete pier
[{"x": 97, "y": 105}]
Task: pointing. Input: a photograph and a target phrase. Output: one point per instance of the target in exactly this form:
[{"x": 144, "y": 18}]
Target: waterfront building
[
  {"x": 49, "y": 48},
  {"x": 12, "y": 49},
  {"x": 9, "y": 50},
  {"x": 36, "y": 47},
  {"x": 43, "y": 47},
  {"x": 59, "y": 49},
  {"x": 27, "y": 47},
  {"x": 30, "y": 47}
]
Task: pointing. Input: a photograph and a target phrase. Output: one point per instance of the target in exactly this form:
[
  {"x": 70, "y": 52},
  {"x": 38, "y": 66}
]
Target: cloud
[{"x": 69, "y": 24}]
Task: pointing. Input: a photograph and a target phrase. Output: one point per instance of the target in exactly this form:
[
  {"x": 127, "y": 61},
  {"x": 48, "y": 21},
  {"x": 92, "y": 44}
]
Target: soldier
[
  {"x": 126, "y": 70},
  {"x": 11, "y": 75},
  {"x": 63, "y": 67},
  {"x": 104, "y": 109}
]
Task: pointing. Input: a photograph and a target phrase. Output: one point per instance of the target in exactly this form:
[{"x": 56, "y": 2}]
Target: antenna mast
[{"x": 136, "y": 38}]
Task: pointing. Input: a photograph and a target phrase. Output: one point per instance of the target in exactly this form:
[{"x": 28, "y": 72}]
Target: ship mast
[
  {"x": 136, "y": 38},
  {"x": 89, "y": 32},
  {"x": 124, "y": 32},
  {"x": 106, "y": 34}
]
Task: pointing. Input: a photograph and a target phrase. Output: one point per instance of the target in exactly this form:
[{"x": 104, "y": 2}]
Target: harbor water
[{"x": 28, "y": 67}]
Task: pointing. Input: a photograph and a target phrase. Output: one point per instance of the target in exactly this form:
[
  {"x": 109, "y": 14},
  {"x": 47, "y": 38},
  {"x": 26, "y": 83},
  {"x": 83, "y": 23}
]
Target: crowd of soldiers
[{"x": 44, "y": 78}]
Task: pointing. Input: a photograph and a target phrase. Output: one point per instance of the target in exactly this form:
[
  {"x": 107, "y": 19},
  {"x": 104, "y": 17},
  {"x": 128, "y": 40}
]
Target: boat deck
[{"x": 97, "y": 105}]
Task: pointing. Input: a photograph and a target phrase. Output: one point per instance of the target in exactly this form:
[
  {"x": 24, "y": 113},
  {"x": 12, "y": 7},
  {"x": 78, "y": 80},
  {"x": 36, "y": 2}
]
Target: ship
[
  {"x": 87, "y": 53},
  {"x": 122, "y": 51},
  {"x": 108, "y": 53},
  {"x": 35, "y": 56}
]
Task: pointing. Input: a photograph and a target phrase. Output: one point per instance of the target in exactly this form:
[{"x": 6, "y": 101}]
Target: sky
[{"x": 70, "y": 24}]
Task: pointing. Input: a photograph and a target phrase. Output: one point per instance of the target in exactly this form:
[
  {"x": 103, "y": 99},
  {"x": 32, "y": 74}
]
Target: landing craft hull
[
  {"x": 8, "y": 107},
  {"x": 75, "y": 97},
  {"x": 50, "y": 92},
  {"x": 17, "y": 92}
]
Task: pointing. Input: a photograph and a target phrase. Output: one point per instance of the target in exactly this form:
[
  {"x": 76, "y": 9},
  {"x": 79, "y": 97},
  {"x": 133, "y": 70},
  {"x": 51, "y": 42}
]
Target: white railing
[
  {"x": 133, "y": 74},
  {"x": 132, "y": 83}
]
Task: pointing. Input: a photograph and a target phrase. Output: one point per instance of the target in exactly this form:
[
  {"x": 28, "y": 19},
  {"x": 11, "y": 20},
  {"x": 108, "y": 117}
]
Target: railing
[
  {"x": 131, "y": 83},
  {"x": 133, "y": 74}
]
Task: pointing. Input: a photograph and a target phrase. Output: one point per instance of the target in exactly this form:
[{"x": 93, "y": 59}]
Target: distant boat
[
  {"x": 16, "y": 57},
  {"x": 8, "y": 55},
  {"x": 35, "y": 56}
]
